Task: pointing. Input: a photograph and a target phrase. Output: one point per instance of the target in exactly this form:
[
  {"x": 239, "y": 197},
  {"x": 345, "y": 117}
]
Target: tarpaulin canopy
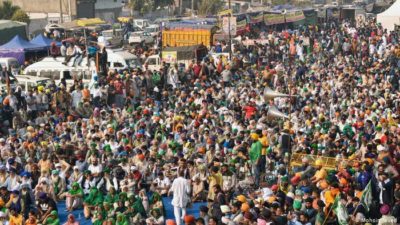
[
  {"x": 83, "y": 23},
  {"x": 89, "y": 22},
  {"x": 17, "y": 48},
  {"x": 8, "y": 29},
  {"x": 124, "y": 19},
  {"x": 19, "y": 44},
  {"x": 44, "y": 41},
  {"x": 391, "y": 17}
]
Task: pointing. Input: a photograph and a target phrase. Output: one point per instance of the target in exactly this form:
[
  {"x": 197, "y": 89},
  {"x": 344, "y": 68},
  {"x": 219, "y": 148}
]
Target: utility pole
[
  {"x": 229, "y": 28},
  {"x": 61, "y": 12},
  {"x": 180, "y": 7},
  {"x": 284, "y": 18},
  {"x": 69, "y": 10},
  {"x": 87, "y": 49},
  {"x": 192, "y": 8}
]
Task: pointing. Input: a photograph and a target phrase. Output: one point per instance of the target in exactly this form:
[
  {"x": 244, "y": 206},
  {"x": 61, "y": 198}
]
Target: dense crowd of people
[{"x": 117, "y": 146}]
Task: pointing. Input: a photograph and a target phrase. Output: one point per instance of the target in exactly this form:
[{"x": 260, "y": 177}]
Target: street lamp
[{"x": 284, "y": 17}]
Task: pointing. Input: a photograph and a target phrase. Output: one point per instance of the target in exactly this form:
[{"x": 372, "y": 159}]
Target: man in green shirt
[{"x": 255, "y": 155}]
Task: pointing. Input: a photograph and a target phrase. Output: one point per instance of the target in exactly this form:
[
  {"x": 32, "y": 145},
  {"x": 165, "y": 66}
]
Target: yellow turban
[{"x": 254, "y": 136}]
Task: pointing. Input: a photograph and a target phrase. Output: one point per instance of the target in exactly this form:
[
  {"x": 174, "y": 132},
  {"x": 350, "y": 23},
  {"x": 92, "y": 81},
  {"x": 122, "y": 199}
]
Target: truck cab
[
  {"x": 141, "y": 23},
  {"x": 153, "y": 30},
  {"x": 110, "y": 34},
  {"x": 153, "y": 62},
  {"x": 140, "y": 37}
]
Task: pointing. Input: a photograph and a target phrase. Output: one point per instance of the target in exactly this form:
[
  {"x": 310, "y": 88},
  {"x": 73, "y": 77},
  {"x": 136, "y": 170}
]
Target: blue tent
[
  {"x": 43, "y": 41},
  {"x": 17, "y": 48}
]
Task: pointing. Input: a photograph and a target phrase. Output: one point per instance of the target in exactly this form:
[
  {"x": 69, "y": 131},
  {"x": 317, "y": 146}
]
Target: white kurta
[{"x": 181, "y": 189}]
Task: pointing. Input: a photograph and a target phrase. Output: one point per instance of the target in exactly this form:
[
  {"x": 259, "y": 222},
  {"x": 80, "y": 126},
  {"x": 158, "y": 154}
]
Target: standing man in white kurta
[{"x": 181, "y": 190}]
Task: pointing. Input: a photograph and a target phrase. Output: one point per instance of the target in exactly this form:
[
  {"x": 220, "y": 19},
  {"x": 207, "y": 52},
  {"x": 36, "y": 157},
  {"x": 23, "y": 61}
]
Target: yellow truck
[{"x": 187, "y": 37}]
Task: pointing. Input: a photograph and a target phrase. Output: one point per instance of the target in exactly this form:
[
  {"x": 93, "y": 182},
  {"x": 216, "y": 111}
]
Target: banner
[
  {"x": 294, "y": 16},
  {"x": 272, "y": 19},
  {"x": 248, "y": 42},
  {"x": 241, "y": 25},
  {"x": 225, "y": 25},
  {"x": 169, "y": 56},
  {"x": 225, "y": 12},
  {"x": 257, "y": 18}
]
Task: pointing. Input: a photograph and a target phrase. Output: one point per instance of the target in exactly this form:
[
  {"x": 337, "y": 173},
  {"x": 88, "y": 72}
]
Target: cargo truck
[
  {"x": 182, "y": 56},
  {"x": 187, "y": 37}
]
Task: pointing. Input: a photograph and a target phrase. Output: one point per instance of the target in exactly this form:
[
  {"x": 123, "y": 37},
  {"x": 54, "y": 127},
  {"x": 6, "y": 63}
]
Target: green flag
[
  {"x": 340, "y": 211},
  {"x": 366, "y": 197}
]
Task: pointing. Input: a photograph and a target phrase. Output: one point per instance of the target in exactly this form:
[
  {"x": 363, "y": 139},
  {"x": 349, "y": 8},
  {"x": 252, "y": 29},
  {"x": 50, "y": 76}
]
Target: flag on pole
[
  {"x": 366, "y": 197},
  {"x": 8, "y": 83},
  {"x": 340, "y": 211}
]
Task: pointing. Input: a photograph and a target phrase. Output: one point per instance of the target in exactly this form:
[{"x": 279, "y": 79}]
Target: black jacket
[{"x": 387, "y": 191}]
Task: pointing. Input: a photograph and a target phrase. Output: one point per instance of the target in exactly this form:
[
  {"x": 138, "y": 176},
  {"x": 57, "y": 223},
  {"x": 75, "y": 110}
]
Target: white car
[
  {"x": 3, "y": 84},
  {"x": 25, "y": 82},
  {"x": 140, "y": 37},
  {"x": 153, "y": 30},
  {"x": 28, "y": 82}
]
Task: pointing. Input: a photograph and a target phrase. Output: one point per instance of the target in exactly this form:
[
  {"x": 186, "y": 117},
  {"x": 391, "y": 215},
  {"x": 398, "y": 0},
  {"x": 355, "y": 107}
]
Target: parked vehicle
[
  {"x": 179, "y": 55},
  {"x": 9, "y": 62},
  {"x": 3, "y": 84},
  {"x": 186, "y": 37},
  {"x": 120, "y": 59},
  {"x": 28, "y": 82},
  {"x": 141, "y": 23},
  {"x": 110, "y": 34},
  {"x": 153, "y": 30},
  {"x": 53, "y": 68},
  {"x": 140, "y": 38}
]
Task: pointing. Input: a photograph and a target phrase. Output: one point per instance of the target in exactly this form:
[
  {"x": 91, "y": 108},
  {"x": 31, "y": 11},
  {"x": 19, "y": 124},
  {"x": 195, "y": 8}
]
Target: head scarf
[
  {"x": 111, "y": 198},
  {"x": 155, "y": 198},
  {"x": 136, "y": 204},
  {"x": 51, "y": 220},
  {"x": 77, "y": 191},
  {"x": 94, "y": 197},
  {"x": 121, "y": 219}
]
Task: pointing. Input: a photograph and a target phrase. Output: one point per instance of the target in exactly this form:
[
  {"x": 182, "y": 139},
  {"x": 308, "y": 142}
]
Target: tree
[
  {"x": 7, "y": 10},
  {"x": 279, "y": 2},
  {"x": 21, "y": 16},
  {"x": 210, "y": 7},
  {"x": 136, "y": 5},
  {"x": 303, "y": 3},
  {"x": 162, "y": 3},
  {"x": 141, "y": 6}
]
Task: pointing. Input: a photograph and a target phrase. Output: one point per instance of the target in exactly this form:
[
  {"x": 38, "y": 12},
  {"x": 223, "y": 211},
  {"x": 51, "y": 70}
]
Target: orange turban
[
  {"x": 6, "y": 101},
  {"x": 141, "y": 157},
  {"x": 245, "y": 207},
  {"x": 189, "y": 219},
  {"x": 170, "y": 222}
]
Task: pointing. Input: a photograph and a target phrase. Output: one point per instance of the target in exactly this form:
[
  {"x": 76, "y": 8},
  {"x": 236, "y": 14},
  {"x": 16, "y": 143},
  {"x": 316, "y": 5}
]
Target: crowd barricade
[{"x": 329, "y": 163}]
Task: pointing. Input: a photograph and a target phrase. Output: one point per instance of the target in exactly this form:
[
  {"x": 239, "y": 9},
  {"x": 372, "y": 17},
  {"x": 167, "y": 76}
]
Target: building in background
[
  {"x": 108, "y": 10},
  {"x": 49, "y": 8},
  {"x": 42, "y": 12}
]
